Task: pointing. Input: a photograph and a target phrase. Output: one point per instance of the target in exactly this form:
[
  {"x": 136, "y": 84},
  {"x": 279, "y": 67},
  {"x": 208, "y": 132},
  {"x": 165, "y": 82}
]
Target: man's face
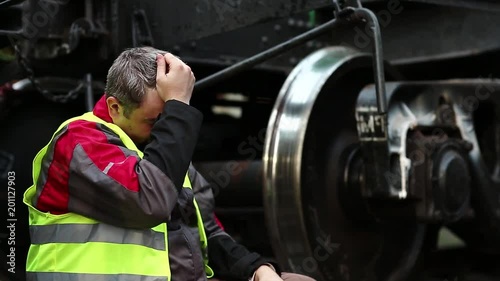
[{"x": 139, "y": 123}]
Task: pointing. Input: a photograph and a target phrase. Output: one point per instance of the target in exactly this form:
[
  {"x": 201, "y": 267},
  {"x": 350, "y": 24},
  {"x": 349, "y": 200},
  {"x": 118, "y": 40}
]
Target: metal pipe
[
  {"x": 89, "y": 94},
  {"x": 266, "y": 55},
  {"x": 88, "y": 10},
  {"x": 378, "y": 61}
]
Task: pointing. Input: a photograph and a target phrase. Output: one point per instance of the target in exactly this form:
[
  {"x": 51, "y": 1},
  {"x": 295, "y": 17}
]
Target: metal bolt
[
  {"x": 300, "y": 23},
  {"x": 264, "y": 39},
  {"x": 291, "y": 22},
  {"x": 293, "y": 60},
  {"x": 193, "y": 45},
  {"x": 277, "y": 27}
]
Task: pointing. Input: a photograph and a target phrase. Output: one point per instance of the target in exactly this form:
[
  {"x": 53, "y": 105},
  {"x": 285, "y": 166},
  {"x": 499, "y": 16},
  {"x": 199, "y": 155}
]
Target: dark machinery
[{"x": 363, "y": 141}]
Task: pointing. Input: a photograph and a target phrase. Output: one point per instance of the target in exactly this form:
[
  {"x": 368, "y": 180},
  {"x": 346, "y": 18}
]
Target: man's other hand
[
  {"x": 177, "y": 83},
  {"x": 266, "y": 273}
]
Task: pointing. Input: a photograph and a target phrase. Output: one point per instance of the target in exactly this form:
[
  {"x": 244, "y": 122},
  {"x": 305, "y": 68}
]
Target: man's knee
[{"x": 286, "y": 276}]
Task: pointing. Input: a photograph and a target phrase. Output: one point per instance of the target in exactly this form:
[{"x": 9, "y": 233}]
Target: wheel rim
[{"x": 306, "y": 149}]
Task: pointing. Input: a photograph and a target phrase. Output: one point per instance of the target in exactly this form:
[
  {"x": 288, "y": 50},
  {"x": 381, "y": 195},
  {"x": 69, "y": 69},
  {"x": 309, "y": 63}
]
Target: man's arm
[
  {"x": 173, "y": 140},
  {"x": 229, "y": 259}
]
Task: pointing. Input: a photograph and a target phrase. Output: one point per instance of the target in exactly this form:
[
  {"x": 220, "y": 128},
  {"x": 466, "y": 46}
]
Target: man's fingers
[
  {"x": 173, "y": 61},
  {"x": 160, "y": 71}
]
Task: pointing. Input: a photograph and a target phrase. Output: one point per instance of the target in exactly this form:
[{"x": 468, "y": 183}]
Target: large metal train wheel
[{"x": 319, "y": 223}]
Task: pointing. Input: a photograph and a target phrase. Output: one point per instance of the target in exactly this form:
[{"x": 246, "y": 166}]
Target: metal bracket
[
  {"x": 141, "y": 32},
  {"x": 89, "y": 93},
  {"x": 344, "y": 6},
  {"x": 78, "y": 29},
  {"x": 352, "y": 10},
  {"x": 374, "y": 142}
]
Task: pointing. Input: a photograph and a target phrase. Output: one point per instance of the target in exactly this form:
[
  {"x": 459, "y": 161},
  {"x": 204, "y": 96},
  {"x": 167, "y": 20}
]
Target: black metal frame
[{"x": 352, "y": 12}]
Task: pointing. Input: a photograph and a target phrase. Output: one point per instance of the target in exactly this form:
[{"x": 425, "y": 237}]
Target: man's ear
[{"x": 114, "y": 107}]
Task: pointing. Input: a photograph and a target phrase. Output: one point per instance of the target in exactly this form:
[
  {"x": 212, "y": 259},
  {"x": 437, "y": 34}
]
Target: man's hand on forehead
[{"x": 177, "y": 83}]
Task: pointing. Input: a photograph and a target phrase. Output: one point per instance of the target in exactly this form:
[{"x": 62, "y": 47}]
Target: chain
[{"x": 71, "y": 95}]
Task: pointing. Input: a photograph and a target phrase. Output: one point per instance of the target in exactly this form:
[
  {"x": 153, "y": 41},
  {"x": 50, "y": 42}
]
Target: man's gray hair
[{"x": 132, "y": 73}]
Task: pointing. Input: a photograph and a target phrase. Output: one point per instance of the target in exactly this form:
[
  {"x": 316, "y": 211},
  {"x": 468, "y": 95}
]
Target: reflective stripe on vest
[
  {"x": 46, "y": 276},
  {"x": 73, "y": 247},
  {"x": 99, "y": 232}
]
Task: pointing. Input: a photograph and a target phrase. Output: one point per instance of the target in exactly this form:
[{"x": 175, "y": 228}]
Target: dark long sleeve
[
  {"x": 173, "y": 140},
  {"x": 233, "y": 261},
  {"x": 229, "y": 259}
]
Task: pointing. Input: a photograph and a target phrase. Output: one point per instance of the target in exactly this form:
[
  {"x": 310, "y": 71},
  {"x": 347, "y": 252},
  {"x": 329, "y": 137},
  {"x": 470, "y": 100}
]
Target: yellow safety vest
[{"x": 67, "y": 246}]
